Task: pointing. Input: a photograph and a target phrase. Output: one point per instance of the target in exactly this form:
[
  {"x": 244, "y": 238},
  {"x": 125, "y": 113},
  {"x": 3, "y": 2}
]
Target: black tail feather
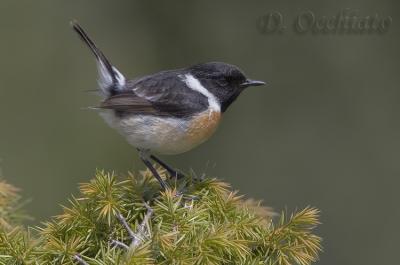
[{"x": 96, "y": 51}]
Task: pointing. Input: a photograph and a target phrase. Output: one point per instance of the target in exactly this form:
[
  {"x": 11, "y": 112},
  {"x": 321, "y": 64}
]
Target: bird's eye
[
  {"x": 229, "y": 78},
  {"x": 233, "y": 78}
]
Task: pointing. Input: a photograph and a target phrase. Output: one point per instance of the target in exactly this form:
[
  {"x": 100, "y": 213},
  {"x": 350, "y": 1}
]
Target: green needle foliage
[
  {"x": 131, "y": 221},
  {"x": 10, "y": 205}
]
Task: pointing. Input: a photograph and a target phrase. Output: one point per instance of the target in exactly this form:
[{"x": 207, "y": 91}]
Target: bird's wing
[
  {"x": 161, "y": 94},
  {"x": 128, "y": 103}
]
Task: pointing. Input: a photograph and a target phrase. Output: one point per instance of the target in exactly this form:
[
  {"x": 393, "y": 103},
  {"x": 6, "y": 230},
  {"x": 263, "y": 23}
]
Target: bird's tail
[{"x": 110, "y": 79}]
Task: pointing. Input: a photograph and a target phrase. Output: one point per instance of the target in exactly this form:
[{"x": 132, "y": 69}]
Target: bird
[{"x": 169, "y": 112}]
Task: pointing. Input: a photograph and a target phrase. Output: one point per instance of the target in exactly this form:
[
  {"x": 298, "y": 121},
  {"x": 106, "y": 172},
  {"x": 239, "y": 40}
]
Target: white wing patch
[
  {"x": 141, "y": 92},
  {"x": 195, "y": 84}
]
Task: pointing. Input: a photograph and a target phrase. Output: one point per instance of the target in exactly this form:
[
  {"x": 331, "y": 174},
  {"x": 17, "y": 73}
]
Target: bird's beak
[{"x": 250, "y": 82}]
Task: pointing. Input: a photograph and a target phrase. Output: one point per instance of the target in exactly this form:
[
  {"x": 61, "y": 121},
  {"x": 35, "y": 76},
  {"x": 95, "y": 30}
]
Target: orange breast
[{"x": 203, "y": 126}]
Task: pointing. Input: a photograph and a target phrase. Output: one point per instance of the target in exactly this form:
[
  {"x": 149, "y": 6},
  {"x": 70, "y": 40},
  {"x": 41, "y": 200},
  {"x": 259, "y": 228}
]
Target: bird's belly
[{"x": 165, "y": 135}]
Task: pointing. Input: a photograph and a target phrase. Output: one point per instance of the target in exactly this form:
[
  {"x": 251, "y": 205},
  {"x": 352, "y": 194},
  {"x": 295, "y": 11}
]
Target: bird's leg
[
  {"x": 171, "y": 171},
  {"x": 145, "y": 158}
]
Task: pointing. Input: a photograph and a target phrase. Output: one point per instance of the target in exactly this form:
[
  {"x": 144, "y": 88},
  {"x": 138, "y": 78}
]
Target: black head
[{"x": 224, "y": 81}]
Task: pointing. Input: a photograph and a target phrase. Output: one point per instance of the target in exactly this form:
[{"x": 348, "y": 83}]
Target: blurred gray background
[{"x": 325, "y": 132}]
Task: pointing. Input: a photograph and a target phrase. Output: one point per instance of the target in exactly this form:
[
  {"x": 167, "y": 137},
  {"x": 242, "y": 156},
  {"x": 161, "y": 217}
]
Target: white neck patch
[{"x": 195, "y": 85}]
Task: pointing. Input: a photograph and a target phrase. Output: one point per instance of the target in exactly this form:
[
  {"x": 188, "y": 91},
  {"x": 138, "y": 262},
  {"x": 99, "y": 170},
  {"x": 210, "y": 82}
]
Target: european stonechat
[{"x": 169, "y": 112}]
